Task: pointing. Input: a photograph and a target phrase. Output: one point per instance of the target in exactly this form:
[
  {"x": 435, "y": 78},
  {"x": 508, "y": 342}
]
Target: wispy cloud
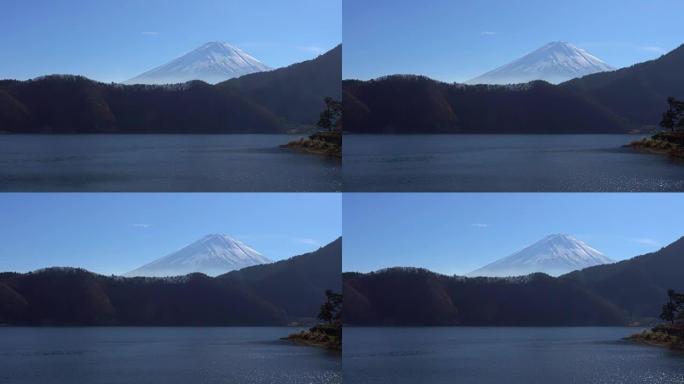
[
  {"x": 487, "y": 33},
  {"x": 149, "y": 33},
  {"x": 479, "y": 225},
  {"x": 652, "y": 48},
  {"x": 310, "y": 48},
  {"x": 141, "y": 225},
  {"x": 307, "y": 241},
  {"x": 646, "y": 241}
]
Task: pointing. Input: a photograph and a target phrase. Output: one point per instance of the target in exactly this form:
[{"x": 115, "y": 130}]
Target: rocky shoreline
[
  {"x": 320, "y": 143},
  {"x": 667, "y": 336},
  {"x": 328, "y": 336},
  {"x": 664, "y": 143}
]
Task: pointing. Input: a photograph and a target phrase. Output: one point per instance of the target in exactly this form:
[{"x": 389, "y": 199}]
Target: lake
[
  {"x": 162, "y": 163},
  {"x": 483, "y": 355},
  {"x": 94, "y": 355},
  {"x": 505, "y": 163}
]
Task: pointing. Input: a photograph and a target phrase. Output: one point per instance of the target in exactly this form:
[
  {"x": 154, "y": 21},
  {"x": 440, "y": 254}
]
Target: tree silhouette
[
  {"x": 673, "y": 310},
  {"x": 673, "y": 118},
  {"x": 331, "y": 117},
  {"x": 331, "y": 309}
]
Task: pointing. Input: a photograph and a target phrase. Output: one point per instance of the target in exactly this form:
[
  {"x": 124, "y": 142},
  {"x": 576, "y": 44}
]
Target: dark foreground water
[
  {"x": 466, "y": 355},
  {"x": 527, "y": 163},
  {"x": 160, "y": 163},
  {"x": 161, "y": 355}
]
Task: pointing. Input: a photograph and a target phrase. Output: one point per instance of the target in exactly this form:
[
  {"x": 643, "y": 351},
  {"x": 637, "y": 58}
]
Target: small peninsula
[
  {"x": 327, "y": 141},
  {"x": 671, "y": 141},
  {"x": 668, "y": 335},
  {"x": 328, "y": 334},
  {"x": 319, "y": 143}
]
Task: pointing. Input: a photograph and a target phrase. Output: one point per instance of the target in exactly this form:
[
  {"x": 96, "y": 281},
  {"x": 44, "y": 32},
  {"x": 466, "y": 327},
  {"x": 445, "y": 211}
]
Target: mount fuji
[
  {"x": 212, "y": 62},
  {"x": 212, "y": 255},
  {"x": 555, "y": 63},
  {"x": 554, "y": 255}
]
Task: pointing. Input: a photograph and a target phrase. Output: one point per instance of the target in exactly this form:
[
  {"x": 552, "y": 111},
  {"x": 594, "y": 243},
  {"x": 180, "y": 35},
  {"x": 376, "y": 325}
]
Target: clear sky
[
  {"x": 115, "y": 233},
  {"x": 114, "y": 40},
  {"x": 455, "y": 233},
  {"x": 458, "y": 40}
]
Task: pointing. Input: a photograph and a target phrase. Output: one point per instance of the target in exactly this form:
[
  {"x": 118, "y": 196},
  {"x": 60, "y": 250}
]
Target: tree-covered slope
[
  {"x": 270, "y": 294},
  {"x": 607, "y": 102},
  {"x": 73, "y": 104},
  {"x": 294, "y": 93},
  {"x": 265, "y": 102},
  {"x": 416, "y": 104},
  {"x": 613, "y": 294}
]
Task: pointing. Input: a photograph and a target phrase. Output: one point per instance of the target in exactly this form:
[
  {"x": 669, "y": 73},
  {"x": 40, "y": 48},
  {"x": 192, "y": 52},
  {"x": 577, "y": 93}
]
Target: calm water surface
[
  {"x": 161, "y": 355},
  {"x": 467, "y": 355},
  {"x": 201, "y": 163},
  {"x": 528, "y": 163}
]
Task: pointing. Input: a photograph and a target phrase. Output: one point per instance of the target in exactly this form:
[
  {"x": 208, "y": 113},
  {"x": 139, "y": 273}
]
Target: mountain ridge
[
  {"x": 212, "y": 255},
  {"x": 621, "y": 101},
  {"x": 212, "y": 62},
  {"x": 637, "y": 92},
  {"x": 554, "y": 255},
  {"x": 280, "y": 90},
  {"x": 75, "y": 104},
  {"x": 626, "y": 292},
  {"x": 555, "y": 62},
  {"x": 74, "y": 296},
  {"x": 417, "y": 104}
]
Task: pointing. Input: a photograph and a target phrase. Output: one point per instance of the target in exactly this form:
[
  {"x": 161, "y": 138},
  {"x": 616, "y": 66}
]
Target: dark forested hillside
[
  {"x": 637, "y": 285},
  {"x": 612, "y": 294},
  {"x": 260, "y": 103},
  {"x": 637, "y": 93},
  {"x": 416, "y": 104},
  {"x": 294, "y": 93},
  {"x": 608, "y": 102},
  {"x": 72, "y": 104},
  {"x": 271, "y": 294},
  {"x": 295, "y": 285},
  {"x": 401, "y": 296}
]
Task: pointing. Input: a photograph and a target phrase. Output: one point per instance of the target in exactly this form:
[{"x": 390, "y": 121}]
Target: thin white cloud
[
  {"x": 307, "y": 241},
  {"x": 141, "y": 225},
  {"x": 646, "y": 241},
  {"x": 310, "y": 48},
  {"x": 149, "y": 33},
  {"x": 487, "y": 33},
  {"x": 653, "y": 48},
  {"x": 479, "y": 225}
]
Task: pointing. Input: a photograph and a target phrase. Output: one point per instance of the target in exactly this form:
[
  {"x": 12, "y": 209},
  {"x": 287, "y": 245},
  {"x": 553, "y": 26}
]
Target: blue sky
[
  {"x": 455, "y": 233},
  {"x": 115, "y": 233},
  {"x": 458, "y": 40},
  {"x": 111, "y": 40}
]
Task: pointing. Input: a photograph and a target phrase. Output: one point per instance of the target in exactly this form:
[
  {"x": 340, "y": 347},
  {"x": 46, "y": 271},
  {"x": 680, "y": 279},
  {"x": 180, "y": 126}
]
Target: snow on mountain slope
[
  {"x": 555, "y": 62},
  {"x": 212, "y": 255},
  {"x": 554, "y": 255},
  {"x": 212, "y": 62}
]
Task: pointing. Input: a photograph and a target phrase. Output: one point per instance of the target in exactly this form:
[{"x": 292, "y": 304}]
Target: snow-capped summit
[
  {"x": 212, "y": 62},
  {"x": 212, "y": 255},
  {"x": 555, "y": 62},
  {"x": 554, "y": 255}
]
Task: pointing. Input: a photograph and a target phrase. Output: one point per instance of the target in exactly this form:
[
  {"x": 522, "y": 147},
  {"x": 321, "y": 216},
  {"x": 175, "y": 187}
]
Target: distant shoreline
[
  {"x": 492, "y": 134},
  {"x": 490, "y": 326},
  {"x": 149, "y": 133},
  {"x": 142, "y": 326}
]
